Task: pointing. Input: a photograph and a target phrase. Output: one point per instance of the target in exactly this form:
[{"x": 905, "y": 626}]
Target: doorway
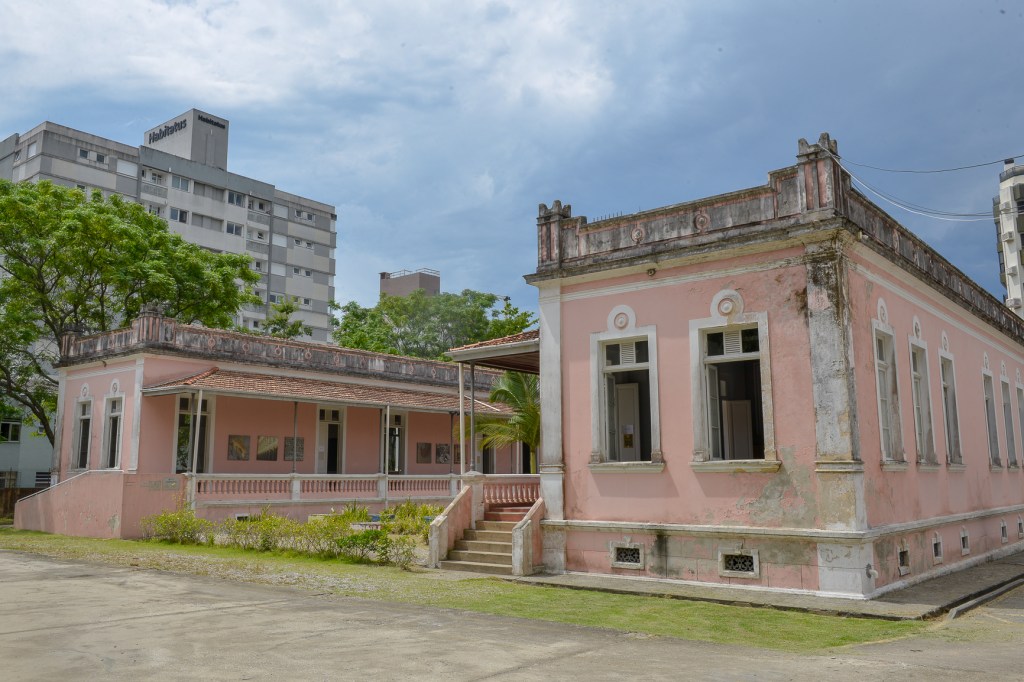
[{"x": 329, "y": 454}]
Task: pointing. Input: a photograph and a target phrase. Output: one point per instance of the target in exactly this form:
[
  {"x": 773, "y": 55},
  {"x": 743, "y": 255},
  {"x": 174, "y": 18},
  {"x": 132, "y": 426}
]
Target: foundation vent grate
[
  {"x": 738, "y": 563},
  {"x": 627, "y": 555}
]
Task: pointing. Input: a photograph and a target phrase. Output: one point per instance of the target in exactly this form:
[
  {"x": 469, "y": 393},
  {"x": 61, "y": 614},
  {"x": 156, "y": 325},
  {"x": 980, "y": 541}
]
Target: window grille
[{"x": 738, "y": 563}]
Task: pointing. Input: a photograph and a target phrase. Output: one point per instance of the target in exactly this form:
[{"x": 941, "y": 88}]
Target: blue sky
[{"x": 437, "y": 128}]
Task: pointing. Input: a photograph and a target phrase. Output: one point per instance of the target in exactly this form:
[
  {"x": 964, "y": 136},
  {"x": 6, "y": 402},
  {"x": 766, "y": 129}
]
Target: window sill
[
  {"x": 750, "y": 466},
  {"x": 995, "y": 467},
  {"x": 928, "y": 466},
  {"x": 840, "y": 467},
  {"x": 956, "y": 467},
  {"x": 627, "y": 467},
  {"x": 894, "y": 466}
]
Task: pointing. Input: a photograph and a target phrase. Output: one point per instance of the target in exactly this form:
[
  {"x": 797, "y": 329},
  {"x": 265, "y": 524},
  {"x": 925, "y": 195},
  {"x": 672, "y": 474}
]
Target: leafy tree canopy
[
  {"x": 425, "y": 326},
  {"x": 280, "y": 324},
  {"x": 71, "y": 263}
]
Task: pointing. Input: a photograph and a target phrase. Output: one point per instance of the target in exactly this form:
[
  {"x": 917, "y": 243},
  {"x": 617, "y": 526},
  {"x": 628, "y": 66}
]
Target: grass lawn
[{"x": 768, "y": 628}]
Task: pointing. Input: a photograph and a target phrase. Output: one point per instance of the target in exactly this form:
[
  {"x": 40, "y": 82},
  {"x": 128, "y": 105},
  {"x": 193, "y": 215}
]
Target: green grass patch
[{"x": 768, "y": 628}]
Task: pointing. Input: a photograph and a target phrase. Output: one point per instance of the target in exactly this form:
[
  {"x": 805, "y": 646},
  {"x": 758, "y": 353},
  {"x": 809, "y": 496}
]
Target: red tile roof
[
  {"x": 217, "y": 380},
  {"x": 531, "y": 335}
]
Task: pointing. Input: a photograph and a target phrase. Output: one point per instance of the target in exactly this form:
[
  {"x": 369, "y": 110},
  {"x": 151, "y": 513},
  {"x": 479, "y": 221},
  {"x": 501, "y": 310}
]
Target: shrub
[
  {"x": 409, "y": 518},
  {"x": 401, "y": 552},
  {"x": 354, "y": 513},
  {"x": 264, "y": 532},
  {"x": 320, "y": 535},
  {"x": 180, "y": 526},
  {"x": 365, "y": 543}
]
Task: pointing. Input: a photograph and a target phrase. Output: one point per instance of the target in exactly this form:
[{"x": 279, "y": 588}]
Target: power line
[
  {"x": 915, "y": 208},
  {"x": 938, "y": 170}
]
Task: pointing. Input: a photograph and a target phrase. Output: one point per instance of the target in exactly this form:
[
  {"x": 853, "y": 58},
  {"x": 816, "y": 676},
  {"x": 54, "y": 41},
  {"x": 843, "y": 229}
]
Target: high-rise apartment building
[
  {"x": 179, "y": 173},
  {"x": 1008, "y": 212}
]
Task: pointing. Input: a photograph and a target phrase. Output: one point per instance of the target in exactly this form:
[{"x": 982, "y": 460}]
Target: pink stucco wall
[
  {"x": 99, "y": 504},
  {"x": 271, "y": 418},
  {"x": 679, "y": 494},
  {"x": 362, "y": 440},
  {"x": 923, "y": 492}
]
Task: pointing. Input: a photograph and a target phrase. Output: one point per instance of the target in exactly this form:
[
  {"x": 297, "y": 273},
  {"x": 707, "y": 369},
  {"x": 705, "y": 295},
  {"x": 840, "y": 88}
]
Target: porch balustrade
[
  {"x": 227, "y": 489},
  {"x": 507, "y": 490}
]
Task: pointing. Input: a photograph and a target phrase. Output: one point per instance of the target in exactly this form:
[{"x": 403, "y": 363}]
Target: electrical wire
[
  {"x": 939, "y": 170},
  {"x": 911, "y": 207}
]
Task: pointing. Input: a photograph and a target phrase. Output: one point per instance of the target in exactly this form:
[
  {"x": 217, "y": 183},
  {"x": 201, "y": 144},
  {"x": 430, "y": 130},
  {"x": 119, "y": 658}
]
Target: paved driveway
[{"x": 71, "y": 620}]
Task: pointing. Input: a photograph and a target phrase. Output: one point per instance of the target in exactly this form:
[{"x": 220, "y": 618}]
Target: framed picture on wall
[
  {"x": 266, "y": 448},
  {"x": 423, "y": 453},
  {"x": 238, "y": 447},
  {"x": 294, "y": 448},
  {"x": 442, "y": 453}
]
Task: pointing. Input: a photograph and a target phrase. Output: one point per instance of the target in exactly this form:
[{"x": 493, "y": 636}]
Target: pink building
[
  {"x": 776, "y": 388},
  {"x": 162, "y": 414}
]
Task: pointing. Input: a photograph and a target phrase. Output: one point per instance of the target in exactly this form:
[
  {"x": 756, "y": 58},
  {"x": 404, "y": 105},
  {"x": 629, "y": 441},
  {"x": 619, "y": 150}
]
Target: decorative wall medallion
[
  {"x": 1002, "y": 370},
  {"x": 85, "y": 390},
  {"x": 984, "y": 361},
  {"x": 945, "y": 342},
  {"x": 307, "y": 355},
  {"x": 727, "y": 303},
  {"x": 917, "y": 329},
  {"x": 278, "y": 351},
  {"x": 701, "y": 220},
  {"x": 637, "y": 234},
  {"x": 211, "y": 343},
  {"x": 115, "y": 387},
  {"x": 245, "y": 346},
  {"x": 620, "y": 317},
  {"x": 883, "y": 313},
  {"x": 621, "y": 321},
  {"x": 336, "y": 358}
]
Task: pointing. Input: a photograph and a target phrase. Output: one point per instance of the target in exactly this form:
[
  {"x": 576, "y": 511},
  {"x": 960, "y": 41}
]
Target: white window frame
[
  {"x": 951, "y": 430},
  {"x": 180, "y": 183},
  {"x": 83, "y": 412},
  {"x": 234, "y": 229},
  {"x": 920, "y": 392},
  {"x": 890, "y": 412},
  {"x": 1011, "y": 442},
  {"x": 112, "y": 433},
  {"x": 177, "y": 215},
  {"x": 727, "y": 313},
  {"x": 236, "y": 198},
  {"x": 208, "y": 414},
  {"x": 621, "y": 327},
  {"x": 12, "y": 427},
  {"x": 988, "y": 392}
]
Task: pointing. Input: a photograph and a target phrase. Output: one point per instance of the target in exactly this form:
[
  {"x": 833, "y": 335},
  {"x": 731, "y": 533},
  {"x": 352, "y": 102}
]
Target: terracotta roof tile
[
  {"x": 531, "y": 335},
  {"x": 227, "y": 381}
]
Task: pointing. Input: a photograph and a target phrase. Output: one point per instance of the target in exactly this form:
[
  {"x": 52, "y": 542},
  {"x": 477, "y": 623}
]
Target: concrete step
[
  {"x": 480, "y": 557},
  {"x": 493, "y": 569},
  {"x": 482, "y": 546},
  {"x": 488, "y": 535},
  {"x": 501, "y": 525},
  {"x": 513, "y": 516}
]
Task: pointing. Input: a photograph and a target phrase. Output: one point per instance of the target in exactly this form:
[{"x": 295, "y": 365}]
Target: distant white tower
[{"x": 1008, "y": 211}]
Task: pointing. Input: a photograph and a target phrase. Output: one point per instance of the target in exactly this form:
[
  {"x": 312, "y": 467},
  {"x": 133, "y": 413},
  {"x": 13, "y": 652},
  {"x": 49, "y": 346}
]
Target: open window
[
  {"x": 949, "y": 410},
  {"x": 627, "y": 401},
  {"x": 890, "y": 435},
  {"x": 732, "y": 364},
  {"x": 191, "y": 447}
]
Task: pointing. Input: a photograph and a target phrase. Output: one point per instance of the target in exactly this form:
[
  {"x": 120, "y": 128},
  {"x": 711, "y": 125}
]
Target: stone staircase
[{"x": 488, "y": 548}]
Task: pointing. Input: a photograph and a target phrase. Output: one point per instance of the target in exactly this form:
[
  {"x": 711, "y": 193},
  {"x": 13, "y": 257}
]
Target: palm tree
[{"x": 521, "y": 392}]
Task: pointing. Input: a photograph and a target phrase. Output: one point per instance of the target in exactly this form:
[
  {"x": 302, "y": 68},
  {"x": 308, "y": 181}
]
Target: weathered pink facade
[
  {"x": 369, "y": 428},
  {"x": 758, "y": 388}
]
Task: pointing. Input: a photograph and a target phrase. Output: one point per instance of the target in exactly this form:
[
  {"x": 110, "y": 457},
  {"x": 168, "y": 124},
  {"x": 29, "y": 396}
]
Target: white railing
[
  {"x": 527, "y": 541},
  {"x": 503, "y": 489},
  {"x": 270, "y": 488}
]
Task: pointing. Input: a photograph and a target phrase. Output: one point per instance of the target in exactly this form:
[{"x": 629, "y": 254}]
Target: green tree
[
  {"x": 76, "y": 264},
  {"x": 280, "y": 323},
  {"x": 425, "y": 326},
  {"x": 521, "y": 392}
]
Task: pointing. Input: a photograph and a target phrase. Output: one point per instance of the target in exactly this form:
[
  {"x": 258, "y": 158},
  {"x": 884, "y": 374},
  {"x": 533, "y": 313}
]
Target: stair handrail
[
  {"x": 449, "y": 525},
  {"x": 527, "y": 540}
]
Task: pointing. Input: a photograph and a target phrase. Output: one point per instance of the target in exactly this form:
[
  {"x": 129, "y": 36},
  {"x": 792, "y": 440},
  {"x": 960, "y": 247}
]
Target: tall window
[
  {"x": 112, "y": 434},
  {"x": 187, "y": 436},
  {"x": 1011, "y": 445},
  {"x": 626, "y": 389},
  {"x": 919, "y": 386},
  {"x": 990, "y": 419},
  {"x": 732, "y": 364},
  {"x": 1020, "y": 415},
  {"x": 949, "y": 412},
  {"x": 83, "y": 435},
  {"x": 888, "y": 398}
]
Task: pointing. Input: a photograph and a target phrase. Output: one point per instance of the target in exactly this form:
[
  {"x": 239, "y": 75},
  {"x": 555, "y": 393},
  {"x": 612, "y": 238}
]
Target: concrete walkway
[{"x": 928, "y": 599}]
